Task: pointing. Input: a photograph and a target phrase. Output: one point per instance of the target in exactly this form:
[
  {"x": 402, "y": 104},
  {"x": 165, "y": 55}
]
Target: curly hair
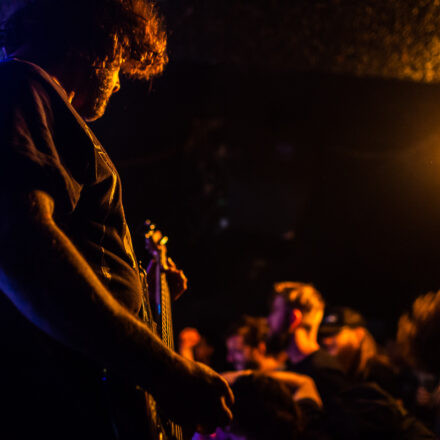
[
  {"x": 98, "y": 32},
  {"x": 418, "y": 333}
]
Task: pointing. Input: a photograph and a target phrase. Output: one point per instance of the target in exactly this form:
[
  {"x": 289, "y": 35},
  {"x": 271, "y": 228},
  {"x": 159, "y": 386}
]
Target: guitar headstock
[{"x": 155, "y": 243}]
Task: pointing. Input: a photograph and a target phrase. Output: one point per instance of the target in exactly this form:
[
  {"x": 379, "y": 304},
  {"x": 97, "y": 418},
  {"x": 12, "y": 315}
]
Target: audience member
[
  {"x": 246, "y": 346},
  {"x": 264, "y": 408},
  {"x": 418, "y": 335},
  {"x": 355, "y": 411},
  {"x": 344, "y": 334},
  {"x": 418, "y": 332},
  {"x": 194, "y": 346},
  {"x": 294, "y": 320}
]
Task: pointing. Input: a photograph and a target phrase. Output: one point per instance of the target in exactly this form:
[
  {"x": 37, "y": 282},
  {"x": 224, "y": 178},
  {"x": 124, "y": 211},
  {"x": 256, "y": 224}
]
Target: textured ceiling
[{"x": 384, "y": 38}]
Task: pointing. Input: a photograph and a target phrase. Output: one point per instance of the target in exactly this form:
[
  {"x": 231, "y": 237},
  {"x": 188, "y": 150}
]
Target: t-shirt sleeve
[{"x": 30, "y": 157}]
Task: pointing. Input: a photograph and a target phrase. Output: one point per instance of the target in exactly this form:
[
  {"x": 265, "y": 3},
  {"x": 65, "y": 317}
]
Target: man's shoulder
[
  {"x": 319, "y": 359},
  {"x": 17, "y": 70},
  {"x": 19, "y": 76}
]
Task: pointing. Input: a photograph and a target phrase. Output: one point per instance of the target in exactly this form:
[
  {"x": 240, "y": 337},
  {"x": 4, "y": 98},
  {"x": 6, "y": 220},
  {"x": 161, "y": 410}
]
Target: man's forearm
[{"x": 53, "y": 286}]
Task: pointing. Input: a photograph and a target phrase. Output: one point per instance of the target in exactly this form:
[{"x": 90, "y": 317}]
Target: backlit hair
[
  {"x": 301, "y": 296},
  {"x": 98, "y": 32},
  {"x": 418, "y": 333}
]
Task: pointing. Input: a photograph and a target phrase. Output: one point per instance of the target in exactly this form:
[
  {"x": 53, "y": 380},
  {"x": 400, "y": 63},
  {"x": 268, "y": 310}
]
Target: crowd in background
[{"x": 307, "y": 371}]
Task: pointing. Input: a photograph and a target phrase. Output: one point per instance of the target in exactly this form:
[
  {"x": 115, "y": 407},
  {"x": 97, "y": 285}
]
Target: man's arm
[
  {"x": 53, "y": 286},
  {"x": 303, "y": 386}
]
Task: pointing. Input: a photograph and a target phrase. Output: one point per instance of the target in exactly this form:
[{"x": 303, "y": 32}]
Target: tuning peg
[{"x": 150, "y": 225}]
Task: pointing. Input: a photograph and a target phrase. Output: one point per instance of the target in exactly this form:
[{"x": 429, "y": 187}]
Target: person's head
[
  {"x": 263, "y": 409},
  {"x": 246, "y": 343},
  {"x": 85, "y": 44},
  {"x": 295, "y": 307},
  {"x": 418, "y": 333},
  {"x": 343, "y": 333}
]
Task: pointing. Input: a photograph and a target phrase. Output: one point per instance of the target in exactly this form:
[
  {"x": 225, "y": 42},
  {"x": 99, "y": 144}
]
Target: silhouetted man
[{"x": 71, "y": 290}]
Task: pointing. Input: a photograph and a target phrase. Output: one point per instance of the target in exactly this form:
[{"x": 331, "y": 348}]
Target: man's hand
[
  {"x": 88, "y": 319},
  {"x": 197, "y": 397},
  {"x": 189, "y": 337},
  {"x": 177, "y": 281}
]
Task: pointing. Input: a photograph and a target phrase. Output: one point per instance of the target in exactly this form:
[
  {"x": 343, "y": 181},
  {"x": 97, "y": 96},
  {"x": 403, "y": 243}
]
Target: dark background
[{"x": 288, "y": 141}]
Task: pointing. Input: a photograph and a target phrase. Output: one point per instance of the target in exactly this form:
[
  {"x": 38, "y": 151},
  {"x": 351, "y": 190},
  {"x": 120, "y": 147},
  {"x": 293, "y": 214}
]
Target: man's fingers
[
  {"x": 227, "y": 410},
  {"x": 184, "y": 280},
  {"x": 223, "y": 418},
  {"x": 229, "y": 395}
]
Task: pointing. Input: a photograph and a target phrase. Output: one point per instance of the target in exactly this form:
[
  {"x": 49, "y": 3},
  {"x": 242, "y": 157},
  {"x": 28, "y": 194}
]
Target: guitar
[
  {"x": 159, "y": 301},
  {"x": 134, "y": 413}
]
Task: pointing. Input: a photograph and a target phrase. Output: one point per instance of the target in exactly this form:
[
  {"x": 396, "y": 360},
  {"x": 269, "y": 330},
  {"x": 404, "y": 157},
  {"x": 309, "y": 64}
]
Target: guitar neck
[
  {"x": 166, "y": 313},
  {"x": 167, "y": 336},
  {"x": 164, "y": 324}
]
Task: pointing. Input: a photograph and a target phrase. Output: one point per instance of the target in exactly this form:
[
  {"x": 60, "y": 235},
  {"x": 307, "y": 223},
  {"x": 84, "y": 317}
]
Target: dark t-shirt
[
  {"x": 45, "y": 145},
  {"x": 325, "y": 371}
]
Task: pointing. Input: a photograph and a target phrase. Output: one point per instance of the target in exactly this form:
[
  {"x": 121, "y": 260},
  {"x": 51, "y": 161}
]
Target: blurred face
[
  {"x": 279, "y": 317},
  {"x": 344, "y": 345},
  {"x": 238, "y": 353},
  {"x": 279, "y": 321}
]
